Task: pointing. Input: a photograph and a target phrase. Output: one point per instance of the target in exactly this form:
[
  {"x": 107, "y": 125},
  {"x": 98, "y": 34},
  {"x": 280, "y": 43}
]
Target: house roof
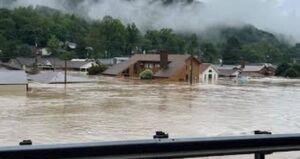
[
  {"x": 25, "y": 61},
  {"x": 52, "y": 62},
  {"x": 175, "y": 63},
  {"x": 57, "y": 77},
  {"x": 253, "y": 68},
  {"x": 76, "y": 64},
  {"x": 108, "y": 61},
  {"x": 10, "y": 66},
  {"x": 205, "y": 66},
  {"x": 13, "y": 77},
  {"x": 226, "y": 67},
  {"x": 227, "y": 72}
]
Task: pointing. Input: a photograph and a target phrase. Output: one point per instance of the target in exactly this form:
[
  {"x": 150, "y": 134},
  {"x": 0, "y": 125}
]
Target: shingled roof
[{"x": 176, "y": 62}]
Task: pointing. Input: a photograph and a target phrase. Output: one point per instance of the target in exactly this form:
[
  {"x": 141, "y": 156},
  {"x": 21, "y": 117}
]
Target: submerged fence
[{"x": 159, "y": 147}]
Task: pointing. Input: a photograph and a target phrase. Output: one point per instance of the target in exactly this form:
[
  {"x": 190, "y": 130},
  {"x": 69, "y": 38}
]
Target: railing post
[
  {"x": 261, "y": 155},
  {"x": 160, "y": 135},
  {"x": 25, "y": 142}
]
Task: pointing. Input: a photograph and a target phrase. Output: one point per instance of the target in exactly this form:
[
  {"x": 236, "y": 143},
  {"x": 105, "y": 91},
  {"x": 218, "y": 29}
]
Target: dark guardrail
[{"x": 159, "y": 147}]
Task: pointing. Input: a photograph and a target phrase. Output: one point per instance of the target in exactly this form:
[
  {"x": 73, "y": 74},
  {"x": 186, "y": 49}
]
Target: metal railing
[{"x": 159, "y": 147}]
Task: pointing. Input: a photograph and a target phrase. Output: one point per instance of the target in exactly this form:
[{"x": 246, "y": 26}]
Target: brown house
[
  {"x": 259, "y": 70},
  {"x": 164, "y": 66}
]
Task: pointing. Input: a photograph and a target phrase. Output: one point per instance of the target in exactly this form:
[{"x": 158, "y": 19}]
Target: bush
[
  {"x": 297, "y": 68},
  {"x": 291, "y": 73},
  {"x": 281, "y": 69},
  {"x": 146, "y": 74},
  {"x": 97, "y": 69}
]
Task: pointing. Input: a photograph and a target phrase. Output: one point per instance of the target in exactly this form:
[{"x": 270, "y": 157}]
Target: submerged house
[
  {"x": 228, "y": 71},
  {"x": 249, "y": 70},
  {"x": 208, "y": 73},
  {"x": 257, "y": 70},
  {"x": 112, "y": 61},
  {"x": 164, "y": 66},
  {"x": 58, "y": 78},
  {"x": 13, "y": 81},
  {"x": 51, "y": 63}
]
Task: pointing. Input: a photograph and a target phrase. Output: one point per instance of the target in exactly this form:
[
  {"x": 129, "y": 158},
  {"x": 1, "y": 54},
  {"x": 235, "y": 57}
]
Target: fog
[{"x": 277, "y": 16}]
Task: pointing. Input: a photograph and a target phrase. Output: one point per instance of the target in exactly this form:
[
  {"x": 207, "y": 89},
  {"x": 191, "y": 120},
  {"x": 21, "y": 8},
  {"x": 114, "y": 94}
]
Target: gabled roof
[
  {"x": 228, "y": 72},
  {"x": 205, "y": 66},
  {"x": 76, "y": 64},
  {"x": 13, "y": 77},
  {"x": 226, "y": 67},
  {"x": 51, "y": 62},
  {"x": 9, "y": 66},
  {"x": 253, "y": 68},
  {"x": 175, "y": 63},
  {"x": 25, "y": 61}
]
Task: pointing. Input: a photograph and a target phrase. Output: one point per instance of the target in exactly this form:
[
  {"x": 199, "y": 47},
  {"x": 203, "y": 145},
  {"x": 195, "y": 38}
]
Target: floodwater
[{"x": 120, "y": 109}]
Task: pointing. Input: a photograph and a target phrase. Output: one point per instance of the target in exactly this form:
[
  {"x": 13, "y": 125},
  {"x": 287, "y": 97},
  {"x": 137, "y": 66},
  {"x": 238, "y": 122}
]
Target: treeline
[{"x": 22, "y": 28}]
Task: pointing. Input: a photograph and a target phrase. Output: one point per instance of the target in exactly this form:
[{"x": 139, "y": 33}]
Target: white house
[
  {"x": 13, "y": 81},
  {"x": 208, "y": 73}
]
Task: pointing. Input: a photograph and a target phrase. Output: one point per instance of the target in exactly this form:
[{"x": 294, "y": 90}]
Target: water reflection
[{"x": 120, "y": 109}]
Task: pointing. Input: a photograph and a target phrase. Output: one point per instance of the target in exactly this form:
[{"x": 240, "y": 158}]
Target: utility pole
[
  {"x": 191, "y": 70},
  {"x": 66, "y": 63},
  {"x": 35, "y": 54}
]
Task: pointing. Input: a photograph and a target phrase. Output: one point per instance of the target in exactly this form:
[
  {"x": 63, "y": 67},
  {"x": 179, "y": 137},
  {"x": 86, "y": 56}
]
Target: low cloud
[{"x": 278, "y": 16}]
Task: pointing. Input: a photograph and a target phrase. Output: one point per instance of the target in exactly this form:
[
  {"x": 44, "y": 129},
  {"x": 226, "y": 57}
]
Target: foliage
[
  {"x": 281, "y": 69},
  {"x": 97, "y": 69},
  {"x": 146, "y": 74},
  {"x": 22, "y": 27},
  {"x": 232, "y": 51},
  {"x": 291, "y": 73},
  {"x": 288, "y": 70},
  {"x": 210, "y": 53},
  {"x": 53, "y": 45}
]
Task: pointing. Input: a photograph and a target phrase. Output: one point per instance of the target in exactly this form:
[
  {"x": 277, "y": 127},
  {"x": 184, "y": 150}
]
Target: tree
[
  {"x": 53, "y": 45},
  {"x": 133, "y": 38},
  {"x": 232, "y": 51},
  {"x": 291, "y": 73},
  {"x": 281, "y": 69},
  {"x": 210, "y": 53},
  {"x": 164, "y": 39},
  {"x": 192, "y": 45}
]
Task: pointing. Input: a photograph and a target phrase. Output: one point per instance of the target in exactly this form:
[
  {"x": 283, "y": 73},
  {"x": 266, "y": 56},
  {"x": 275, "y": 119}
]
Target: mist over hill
[
  {"x": 212, "y": 30},
  {"x": 181, "y": 15}
]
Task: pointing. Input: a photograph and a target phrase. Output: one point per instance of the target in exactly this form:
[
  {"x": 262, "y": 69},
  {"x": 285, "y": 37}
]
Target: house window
[
  {"x": 157, "y": 65},
  {"x": 150, "y": 65},
  {"x": 210, "y": 71}
]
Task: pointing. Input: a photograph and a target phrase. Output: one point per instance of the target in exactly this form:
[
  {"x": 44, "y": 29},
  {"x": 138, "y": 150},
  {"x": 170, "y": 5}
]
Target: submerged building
[
  {"x": 164, "y": 66},
  {"x": 208, "y": 73},
  {"x": 58, "y": 78},
  {"x": 13, "y": 81}
]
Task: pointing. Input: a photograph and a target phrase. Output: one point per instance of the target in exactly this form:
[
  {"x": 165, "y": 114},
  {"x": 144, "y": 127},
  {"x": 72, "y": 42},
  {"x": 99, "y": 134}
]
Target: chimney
[{"x": 164, "y": 59}]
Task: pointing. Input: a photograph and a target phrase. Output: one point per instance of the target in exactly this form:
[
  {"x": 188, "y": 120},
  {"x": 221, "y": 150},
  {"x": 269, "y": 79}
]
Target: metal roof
[
  {"x": 8, "y": 77},
  {"x": 58, "y": 77}
]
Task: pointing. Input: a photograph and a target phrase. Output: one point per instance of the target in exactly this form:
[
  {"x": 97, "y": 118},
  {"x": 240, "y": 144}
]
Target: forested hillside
[{"x": 21, "y": 28}]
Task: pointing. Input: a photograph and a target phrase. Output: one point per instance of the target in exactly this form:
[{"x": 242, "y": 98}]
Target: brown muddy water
[{"x": 119, "y": 109}]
